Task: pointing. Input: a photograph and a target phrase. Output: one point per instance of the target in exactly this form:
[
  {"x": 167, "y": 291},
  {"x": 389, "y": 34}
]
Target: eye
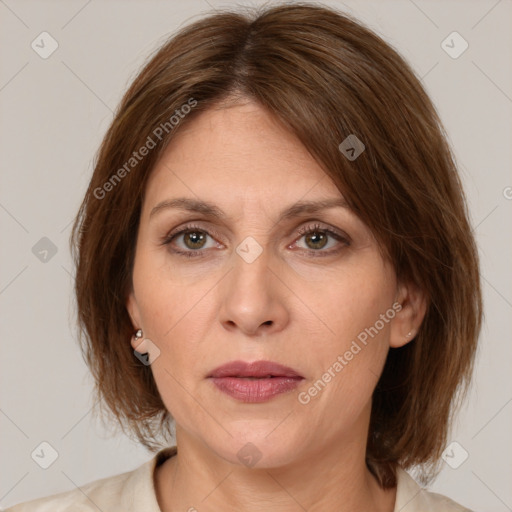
[
  {"x": 190, "y": 241},
  {"x": 317, "y": 238},
  {"x": 193, "y": 239}
]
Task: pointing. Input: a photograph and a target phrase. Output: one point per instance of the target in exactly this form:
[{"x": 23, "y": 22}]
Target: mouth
[
  {"x": 254, "y": 370},
  {"x": 254, "y": 382}
]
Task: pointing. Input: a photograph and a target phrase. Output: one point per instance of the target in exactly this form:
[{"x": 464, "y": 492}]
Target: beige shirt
[{"x": 134, "y": 491}]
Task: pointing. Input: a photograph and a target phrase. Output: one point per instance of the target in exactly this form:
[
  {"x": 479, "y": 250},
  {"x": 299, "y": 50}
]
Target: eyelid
[
  {"x": 305, "y": 228},
  {"x": 320, "y": 226},
  {"x": 189, "y": 226}
]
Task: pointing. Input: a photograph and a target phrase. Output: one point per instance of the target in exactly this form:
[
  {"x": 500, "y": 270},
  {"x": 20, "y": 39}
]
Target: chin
[{"x": 256, "y": 444}]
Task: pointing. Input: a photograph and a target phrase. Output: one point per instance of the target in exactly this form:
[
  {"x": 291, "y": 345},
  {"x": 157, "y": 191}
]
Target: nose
[{"x": 253, "y": 297}]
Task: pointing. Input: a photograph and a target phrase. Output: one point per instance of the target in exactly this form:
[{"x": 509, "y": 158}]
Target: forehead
[{"x": 239, "y": 154}]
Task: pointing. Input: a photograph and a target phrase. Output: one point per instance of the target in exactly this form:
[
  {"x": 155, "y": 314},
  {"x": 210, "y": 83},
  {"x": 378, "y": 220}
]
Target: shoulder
[
  {"x": 133, "y": 490},
  {"x": 104, "y": 494},
  {"x": 410, "y": 497}
]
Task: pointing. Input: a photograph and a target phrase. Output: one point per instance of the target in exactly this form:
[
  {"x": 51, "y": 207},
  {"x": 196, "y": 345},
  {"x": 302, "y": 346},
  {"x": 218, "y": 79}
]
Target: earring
[
  {"x": 409, "y": 335},
  {"x": 138, "y": 335}
]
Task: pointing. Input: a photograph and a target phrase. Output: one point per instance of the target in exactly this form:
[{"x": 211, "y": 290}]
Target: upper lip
[{"x": 253, "y": 369}]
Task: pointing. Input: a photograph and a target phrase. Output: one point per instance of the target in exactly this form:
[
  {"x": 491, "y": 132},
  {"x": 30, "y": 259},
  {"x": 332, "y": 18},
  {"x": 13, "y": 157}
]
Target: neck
[{"x": 333, "y": 479}]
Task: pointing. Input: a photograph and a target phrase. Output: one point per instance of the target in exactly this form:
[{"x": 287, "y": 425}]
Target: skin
[{"x": 202, "y": 312}]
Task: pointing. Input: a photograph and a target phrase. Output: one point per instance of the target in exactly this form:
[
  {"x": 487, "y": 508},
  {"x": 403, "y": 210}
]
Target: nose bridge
[
  {"x": 250, "y": 276},
  {"x": 250, "y": 295}
]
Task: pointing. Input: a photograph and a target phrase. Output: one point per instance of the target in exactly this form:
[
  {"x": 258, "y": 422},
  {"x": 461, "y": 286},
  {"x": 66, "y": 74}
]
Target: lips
[
  {"x": 256, "y": 369},
  {"x": 254, "y": 382}
]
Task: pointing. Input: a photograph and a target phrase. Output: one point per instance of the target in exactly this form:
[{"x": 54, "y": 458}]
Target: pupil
[
  {"x": 319, "y": 239},
  {"x": 195, "y": 238}
]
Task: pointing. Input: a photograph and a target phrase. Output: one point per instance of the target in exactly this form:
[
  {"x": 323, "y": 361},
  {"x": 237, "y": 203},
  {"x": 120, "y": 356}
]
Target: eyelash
[{"x": 305, "y": 230}]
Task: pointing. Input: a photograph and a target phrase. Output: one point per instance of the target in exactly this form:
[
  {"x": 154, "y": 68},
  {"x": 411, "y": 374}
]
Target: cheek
[
  {"x": 341, "y": 389},
  {"x": 176, "y": 303},
  {"x": 343, "y": 302},
  {"x": 348, "y": 360},
  {"x": 177, "y": 319},
  {"x": 169, "y": 300}
]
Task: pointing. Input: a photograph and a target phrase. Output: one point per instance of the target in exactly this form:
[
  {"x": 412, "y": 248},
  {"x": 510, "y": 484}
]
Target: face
[{"x": 244, "y": 283}]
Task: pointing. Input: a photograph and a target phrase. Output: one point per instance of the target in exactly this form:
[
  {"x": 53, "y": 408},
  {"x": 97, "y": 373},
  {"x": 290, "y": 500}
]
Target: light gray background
[{"x": 54, "y": 113}]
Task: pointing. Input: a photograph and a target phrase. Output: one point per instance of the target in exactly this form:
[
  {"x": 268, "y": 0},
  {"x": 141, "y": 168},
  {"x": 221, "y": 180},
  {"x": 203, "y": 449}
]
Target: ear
[
  {"x": 407, "y": 321},
  {"x": 133, "y": 310}
]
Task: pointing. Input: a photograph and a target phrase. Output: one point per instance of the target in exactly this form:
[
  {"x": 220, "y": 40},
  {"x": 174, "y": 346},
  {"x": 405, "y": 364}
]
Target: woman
[{"x": 274, "y": 257}]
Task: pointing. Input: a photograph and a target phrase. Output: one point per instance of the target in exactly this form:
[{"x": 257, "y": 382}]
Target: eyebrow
[{"x": 211, "y": 210}]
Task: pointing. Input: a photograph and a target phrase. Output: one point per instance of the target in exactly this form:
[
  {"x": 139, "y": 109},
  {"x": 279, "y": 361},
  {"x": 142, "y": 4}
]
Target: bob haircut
[{"x": 324, "y": 76}]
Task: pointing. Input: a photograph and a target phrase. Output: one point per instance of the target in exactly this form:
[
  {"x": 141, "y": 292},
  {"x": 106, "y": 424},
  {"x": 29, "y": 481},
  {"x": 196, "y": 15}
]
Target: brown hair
[{"x": 325, "y": 76}]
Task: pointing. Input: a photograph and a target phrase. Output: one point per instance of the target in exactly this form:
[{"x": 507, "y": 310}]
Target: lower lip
[{"x": 256, "y": 390}]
